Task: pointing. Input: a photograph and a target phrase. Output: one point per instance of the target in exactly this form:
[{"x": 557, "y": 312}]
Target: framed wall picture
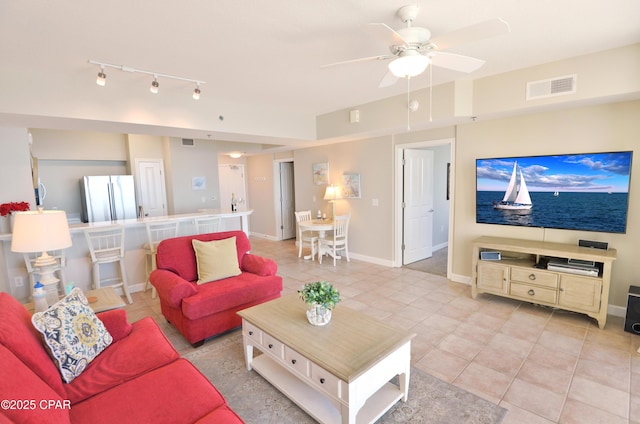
[
  {"x": 198, "y": 183},
  {"x": 351, "y": 185},
  {"x": 321, "y": 173}
]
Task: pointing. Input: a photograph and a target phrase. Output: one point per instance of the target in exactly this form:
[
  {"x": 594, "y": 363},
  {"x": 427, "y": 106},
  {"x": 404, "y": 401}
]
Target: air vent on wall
[
  {"x": 551, "y": 87},
  {"x": 188, "y": 142}
]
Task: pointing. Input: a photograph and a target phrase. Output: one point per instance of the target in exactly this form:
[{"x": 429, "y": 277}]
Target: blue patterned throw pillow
[{"x": 72, "y": 333}]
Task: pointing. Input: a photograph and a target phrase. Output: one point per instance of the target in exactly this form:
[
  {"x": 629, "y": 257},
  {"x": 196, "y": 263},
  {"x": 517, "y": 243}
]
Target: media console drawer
[
  {"x": 535, "y": 276},
  {"x": 533, "y": 294}
]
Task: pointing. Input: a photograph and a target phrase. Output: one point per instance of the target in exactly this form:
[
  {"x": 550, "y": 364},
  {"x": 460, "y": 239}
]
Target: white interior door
[
  {"x": 151, "y": 187},
  {"x": 287, "y": 201},
  {"x": 418, "y": 205},
  {"x": 232, "y": 182}
]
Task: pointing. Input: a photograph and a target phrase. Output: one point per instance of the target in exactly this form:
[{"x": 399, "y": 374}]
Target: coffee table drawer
[
  {"x": 296, "y": 361},
  {"x": 252, "y": 332},
  {"x": 329, "y": 383},
  {"x": 273, "y": 346}
]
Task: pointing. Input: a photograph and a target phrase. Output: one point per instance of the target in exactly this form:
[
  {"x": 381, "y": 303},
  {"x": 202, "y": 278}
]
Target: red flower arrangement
[{"x": 7, "y": 208}]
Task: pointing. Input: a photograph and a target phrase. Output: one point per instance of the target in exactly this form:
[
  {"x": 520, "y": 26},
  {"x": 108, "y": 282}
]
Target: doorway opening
[{"x": 424, "y": 206}]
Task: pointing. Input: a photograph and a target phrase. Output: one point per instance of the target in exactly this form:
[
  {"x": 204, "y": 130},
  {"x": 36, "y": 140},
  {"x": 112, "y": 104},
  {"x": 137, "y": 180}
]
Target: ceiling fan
[{"x": 413, "y": 48}]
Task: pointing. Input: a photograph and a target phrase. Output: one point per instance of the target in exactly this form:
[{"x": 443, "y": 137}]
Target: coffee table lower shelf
[{"x": 320, "y": 407}]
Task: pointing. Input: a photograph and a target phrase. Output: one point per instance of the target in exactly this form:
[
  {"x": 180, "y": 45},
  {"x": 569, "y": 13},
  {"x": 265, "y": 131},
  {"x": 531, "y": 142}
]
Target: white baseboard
[{"x": 264, "y": 236}]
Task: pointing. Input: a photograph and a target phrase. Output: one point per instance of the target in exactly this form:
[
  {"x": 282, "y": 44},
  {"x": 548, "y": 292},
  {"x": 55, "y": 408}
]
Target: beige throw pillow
[{"x": 216, "y": 259}]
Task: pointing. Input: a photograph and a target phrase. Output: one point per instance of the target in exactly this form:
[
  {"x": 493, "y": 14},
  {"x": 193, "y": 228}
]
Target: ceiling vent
[
  {"x": 188, "y": 142},
  {"x": 551, "y": 87}
]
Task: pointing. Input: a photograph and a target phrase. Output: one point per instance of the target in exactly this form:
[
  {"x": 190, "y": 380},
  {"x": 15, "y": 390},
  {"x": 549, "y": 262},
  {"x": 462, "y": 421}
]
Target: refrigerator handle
[{"x": 112, "y": 210}]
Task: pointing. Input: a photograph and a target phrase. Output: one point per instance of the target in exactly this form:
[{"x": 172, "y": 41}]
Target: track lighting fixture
[
  {"x": 102, "y": 77},
  {"x": 101, "y": 80}
]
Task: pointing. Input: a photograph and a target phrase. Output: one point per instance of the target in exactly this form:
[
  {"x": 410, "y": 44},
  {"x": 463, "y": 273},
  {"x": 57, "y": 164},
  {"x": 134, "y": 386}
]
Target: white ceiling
[{"x": 267, "y": 54}]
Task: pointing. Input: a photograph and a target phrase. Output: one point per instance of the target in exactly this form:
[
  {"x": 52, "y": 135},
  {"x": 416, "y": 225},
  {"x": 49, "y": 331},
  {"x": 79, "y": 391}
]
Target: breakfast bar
[{"x": 78, "y": 267}]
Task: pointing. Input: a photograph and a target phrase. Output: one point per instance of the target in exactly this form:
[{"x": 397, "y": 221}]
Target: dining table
[{"x": 320, "y": 226}]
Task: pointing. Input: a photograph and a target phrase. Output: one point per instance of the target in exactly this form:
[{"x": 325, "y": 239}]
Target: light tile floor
[{"x": 543, "y": 365}]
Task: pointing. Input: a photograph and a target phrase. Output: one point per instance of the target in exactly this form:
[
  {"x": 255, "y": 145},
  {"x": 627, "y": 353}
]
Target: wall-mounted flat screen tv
[{"x": 586, "y": 192}]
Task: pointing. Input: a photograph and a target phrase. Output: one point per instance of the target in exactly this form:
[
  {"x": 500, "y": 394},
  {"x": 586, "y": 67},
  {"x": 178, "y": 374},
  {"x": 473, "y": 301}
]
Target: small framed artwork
[
  {"x": 321, "y": 173},
  {"x": 198, "y": 183},
  {"x": 351, "y": 185}
]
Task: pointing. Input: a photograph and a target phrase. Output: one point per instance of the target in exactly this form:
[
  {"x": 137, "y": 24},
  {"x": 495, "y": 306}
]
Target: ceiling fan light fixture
[
  {"x": 196, "y": 92},
  {"x": 409, "y": 65}
]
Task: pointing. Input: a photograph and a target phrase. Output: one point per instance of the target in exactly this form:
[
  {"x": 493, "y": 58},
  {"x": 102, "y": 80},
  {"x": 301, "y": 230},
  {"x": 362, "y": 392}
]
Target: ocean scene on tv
[{"x": 586, "y": 192}]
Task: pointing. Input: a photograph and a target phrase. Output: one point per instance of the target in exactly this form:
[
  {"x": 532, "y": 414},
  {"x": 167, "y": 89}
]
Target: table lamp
[
  {"x": 333, "y": 193},
  {"x": 42, "y": 231}
]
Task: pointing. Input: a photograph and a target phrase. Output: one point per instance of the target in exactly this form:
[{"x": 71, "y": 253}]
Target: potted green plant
[{"x": 321, "y": 297}]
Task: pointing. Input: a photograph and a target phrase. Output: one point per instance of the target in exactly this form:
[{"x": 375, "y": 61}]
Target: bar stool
[
  {"x": 156, "y": 232},
  {"x": 61, "y": 263},
  {"x": 106, "y": 246},
  {"x": 208, "y": 224}
]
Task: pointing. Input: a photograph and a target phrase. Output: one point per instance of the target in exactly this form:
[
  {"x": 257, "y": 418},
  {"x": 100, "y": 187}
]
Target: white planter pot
[{"x": 317, "y": 315}]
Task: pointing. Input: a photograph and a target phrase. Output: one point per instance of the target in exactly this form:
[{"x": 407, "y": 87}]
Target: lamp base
[{"x": 45, "y": 264}]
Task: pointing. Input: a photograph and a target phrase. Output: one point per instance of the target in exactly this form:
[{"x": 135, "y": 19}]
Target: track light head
[
  {"x": 196, "y": 92},
  {"x": 102, "y": 77},
  {"x": 154, "y": 86}
]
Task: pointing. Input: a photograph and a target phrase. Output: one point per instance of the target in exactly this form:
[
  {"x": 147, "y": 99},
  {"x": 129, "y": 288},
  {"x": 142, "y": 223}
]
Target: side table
[{"x": 106, "y": 299}]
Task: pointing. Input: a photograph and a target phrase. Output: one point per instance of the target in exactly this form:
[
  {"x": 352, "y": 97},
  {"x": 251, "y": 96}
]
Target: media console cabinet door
[
  {"x": 493, "y": 277},
  {"x": 581, "y": 293}
]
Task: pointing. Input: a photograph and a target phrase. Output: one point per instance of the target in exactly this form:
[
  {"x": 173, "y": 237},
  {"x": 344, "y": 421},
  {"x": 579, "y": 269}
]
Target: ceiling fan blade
[
  {"x": 388, "y": 80},
  {"x": 385, "y": 33},
  {"x": 363, "y": 59},
  {"x": 456, "y": 62},
  {"x": 479, "y": 31}
]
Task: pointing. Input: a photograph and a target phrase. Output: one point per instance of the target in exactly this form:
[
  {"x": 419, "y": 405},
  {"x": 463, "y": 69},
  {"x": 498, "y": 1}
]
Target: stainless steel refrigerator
[{"x": 108, "y": 198}]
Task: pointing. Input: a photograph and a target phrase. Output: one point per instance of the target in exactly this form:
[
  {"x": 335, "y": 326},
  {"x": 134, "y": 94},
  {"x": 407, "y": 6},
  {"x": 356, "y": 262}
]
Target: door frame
[{"x": 398, "y": 194}]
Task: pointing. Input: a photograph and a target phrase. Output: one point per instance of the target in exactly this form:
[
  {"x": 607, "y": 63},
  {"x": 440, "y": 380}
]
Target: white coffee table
[{"x": 338, "y": 373}]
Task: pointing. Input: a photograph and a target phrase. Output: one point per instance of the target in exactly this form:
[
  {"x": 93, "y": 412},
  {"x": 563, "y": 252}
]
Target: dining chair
[
  {"x": 306, "y": 238},
  {"x": 339, "y": 240},
  {"x": 106, "y": 246},
  {"x": 156, "y": 232},
  {"x": 208, "y": 224}
]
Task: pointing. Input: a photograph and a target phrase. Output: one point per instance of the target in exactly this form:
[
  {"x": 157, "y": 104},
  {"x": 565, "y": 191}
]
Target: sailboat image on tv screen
[{"x": 515, "y": 199}]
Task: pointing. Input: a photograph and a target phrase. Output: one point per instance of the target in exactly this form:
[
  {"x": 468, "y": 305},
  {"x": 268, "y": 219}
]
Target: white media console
[{"x": 522, "y": 273}]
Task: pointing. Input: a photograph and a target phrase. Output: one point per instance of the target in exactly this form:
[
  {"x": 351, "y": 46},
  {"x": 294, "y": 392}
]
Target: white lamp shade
[
  {"x": 40, "y": 231},
  {"x": 410, "y": 64},
  {"x": 332, "y": 193}
]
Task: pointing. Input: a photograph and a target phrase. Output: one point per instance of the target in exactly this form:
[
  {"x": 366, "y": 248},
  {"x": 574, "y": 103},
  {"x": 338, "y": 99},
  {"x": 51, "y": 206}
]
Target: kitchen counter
[{"x": 130, "y": 223}]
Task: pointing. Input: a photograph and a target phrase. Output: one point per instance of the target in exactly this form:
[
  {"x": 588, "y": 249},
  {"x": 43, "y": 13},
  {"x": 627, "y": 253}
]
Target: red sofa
[
  {"x": 139, "y": 378},
  {"x": 205, "y": 310}
]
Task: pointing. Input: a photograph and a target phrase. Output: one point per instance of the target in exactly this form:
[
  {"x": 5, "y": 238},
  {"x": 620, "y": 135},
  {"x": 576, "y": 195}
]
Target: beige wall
[
  {"x": 370, "y": 230},
  {"x": 260, "y": 195},
  {"x": 611, "y": 127},
  {"x": 17, "y": 186}
]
